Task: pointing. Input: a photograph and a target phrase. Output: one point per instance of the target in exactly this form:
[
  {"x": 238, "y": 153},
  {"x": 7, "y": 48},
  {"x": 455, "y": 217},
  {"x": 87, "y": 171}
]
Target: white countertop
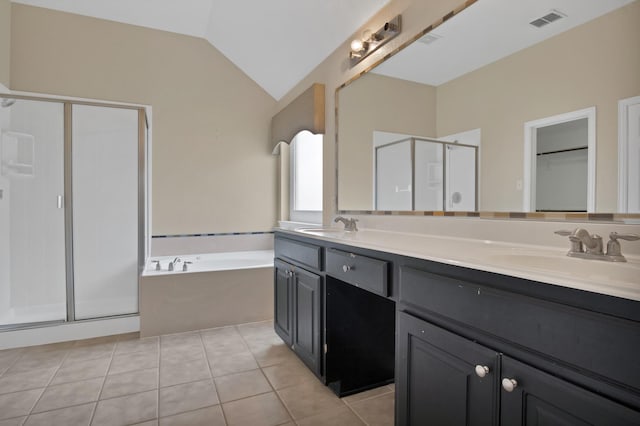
[{"x": 537, "y": 263}]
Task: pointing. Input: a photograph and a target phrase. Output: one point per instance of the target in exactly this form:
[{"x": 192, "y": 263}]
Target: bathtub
[
  {"x": 209, "y": 262},
  {"x": 217, "y": 289}
]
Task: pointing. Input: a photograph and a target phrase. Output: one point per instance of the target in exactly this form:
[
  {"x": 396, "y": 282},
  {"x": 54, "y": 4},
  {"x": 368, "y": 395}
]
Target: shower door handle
[{"x": 60, "y": 201}]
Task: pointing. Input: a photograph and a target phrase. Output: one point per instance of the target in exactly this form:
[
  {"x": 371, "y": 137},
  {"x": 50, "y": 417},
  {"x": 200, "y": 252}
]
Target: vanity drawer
[
  {"x": 599, "y": 343},
  {"x": 306, "y": 254},
  {"x": 362, "y": 271}
]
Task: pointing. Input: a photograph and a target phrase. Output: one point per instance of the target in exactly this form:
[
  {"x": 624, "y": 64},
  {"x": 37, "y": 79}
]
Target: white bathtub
[
  {"x": 217, "y": 289},
  {"x": 208, "y": 262}
]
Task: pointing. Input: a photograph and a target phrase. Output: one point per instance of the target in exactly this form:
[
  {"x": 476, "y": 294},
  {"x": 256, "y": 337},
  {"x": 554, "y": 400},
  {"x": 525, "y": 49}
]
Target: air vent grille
[
  {"x": 550, "y": 17},
  {"x": 429, "y": 38}
]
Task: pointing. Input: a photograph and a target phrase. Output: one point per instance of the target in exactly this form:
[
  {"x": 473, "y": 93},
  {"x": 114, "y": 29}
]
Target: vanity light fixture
[{"x": 363, "y": 47}]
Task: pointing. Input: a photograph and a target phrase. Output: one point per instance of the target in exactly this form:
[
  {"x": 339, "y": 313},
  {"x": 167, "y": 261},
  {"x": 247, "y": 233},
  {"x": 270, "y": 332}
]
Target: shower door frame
[{"x": 143, "y": 130}]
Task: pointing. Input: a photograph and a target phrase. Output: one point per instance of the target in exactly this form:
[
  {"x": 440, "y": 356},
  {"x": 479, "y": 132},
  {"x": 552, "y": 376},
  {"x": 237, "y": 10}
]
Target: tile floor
[{"x": 238, "y": 375}]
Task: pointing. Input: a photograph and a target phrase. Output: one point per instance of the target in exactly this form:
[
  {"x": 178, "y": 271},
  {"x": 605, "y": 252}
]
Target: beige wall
[
  {"x": 5, "y": 41},
  {"x": 372, "y": 103},
  {"x": 212, "y": 165},
  {"x": 595, "y": 64},
  {"x": 334, "y": 71}
]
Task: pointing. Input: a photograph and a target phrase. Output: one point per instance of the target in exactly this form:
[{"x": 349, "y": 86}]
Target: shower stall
[{"x": 72, "y": 210}]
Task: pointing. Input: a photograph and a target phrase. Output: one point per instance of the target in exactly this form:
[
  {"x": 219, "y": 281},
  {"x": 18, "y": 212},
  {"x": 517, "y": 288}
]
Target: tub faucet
[
  {"x": 349, "y": 224},
  {"x": 157, "y": 262},
  {"x": 185, "y": 265}
]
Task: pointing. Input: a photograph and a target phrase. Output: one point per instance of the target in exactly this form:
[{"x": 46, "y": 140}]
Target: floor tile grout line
[
  {"x": 268, "y": 381},
  {"x": 21, "y": 353},
  {"x": 64, "y": 358},
  {"x": 104, "y": 380},
  {"x": 215, "y": 386}
]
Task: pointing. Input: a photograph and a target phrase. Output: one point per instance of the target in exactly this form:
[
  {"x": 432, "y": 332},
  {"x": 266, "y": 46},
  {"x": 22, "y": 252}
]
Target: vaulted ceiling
[{"x": 276, "y": 42}]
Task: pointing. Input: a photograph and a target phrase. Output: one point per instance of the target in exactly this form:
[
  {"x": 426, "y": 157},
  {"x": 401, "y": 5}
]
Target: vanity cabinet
[
  {"x": 442, "y": 378},
  {"x": 298, "y": 300},
  {"x": 464, "y": 346},
  {"x": 540, "y": 399},
  {"x": 542, "y": 362},
  {"x": 283, "y": 299}
]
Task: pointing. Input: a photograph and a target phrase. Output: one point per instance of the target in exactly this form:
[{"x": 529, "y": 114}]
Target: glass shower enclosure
[
  {"x": 72, "y": 202},
  {"x": 425, "y": 174}
]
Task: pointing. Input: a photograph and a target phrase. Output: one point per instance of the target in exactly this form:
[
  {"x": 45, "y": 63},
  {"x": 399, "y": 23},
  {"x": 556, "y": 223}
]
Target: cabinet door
[
  {"x": 283, "y": 313},
  {"x": 436, "y": 379},
  {"x": 539, "y": 399},
  {"x": 306, "y": 317}
]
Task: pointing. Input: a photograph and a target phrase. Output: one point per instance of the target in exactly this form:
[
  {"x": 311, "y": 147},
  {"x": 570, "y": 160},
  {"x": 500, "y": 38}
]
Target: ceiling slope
[{"x": 276, "y": 43}]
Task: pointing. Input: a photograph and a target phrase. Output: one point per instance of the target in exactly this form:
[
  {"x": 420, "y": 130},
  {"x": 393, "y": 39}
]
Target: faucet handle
[
  {"x": 613, "y": 246},
  {"x": 628, "y": 237},
  {"x": 576, "y": 244}
]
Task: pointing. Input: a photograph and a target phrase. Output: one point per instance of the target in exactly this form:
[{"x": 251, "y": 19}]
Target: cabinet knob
[
  {"x": 509, "y": 384},
  {"x": 482, "y": 370},
  {"x": 346, "y": 268}
]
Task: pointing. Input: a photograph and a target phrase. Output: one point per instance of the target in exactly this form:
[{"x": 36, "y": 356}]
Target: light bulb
[{"x": 357, "y": 46}]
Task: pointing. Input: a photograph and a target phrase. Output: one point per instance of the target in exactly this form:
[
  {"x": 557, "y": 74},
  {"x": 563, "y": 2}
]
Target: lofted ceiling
[{"x": 276, "y": 42}]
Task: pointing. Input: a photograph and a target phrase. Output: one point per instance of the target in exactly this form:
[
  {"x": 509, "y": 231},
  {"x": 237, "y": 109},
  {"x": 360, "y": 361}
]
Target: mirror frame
[{"x": 538, "y": 216}]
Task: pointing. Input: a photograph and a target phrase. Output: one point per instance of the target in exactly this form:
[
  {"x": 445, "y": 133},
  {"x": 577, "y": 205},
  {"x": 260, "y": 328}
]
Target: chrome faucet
[
  {"x": 587, "y": 246},
  {"x": 349, "y": 224}
]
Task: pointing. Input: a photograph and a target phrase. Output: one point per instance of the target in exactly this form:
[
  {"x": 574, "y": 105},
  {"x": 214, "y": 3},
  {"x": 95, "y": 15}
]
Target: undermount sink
[
  {"x": 324, "y": 231},
  {"x": 592, "y": 270}
]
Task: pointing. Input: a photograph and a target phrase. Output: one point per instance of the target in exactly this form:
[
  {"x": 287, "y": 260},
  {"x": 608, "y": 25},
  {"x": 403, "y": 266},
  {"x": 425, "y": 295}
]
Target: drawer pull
[
  {"x": 347, "y": 268},
  {"x": 509, "y": 384},
  {"x": 482, "y": 370}
]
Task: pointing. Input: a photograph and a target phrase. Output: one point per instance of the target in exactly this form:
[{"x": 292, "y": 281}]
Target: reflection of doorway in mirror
[
  {"x": 559, "y": 163},
  {"x": 629, "y": 155}
]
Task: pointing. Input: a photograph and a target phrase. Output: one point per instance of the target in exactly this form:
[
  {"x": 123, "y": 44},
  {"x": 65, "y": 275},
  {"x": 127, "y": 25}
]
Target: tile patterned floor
[{"x": 238, "y": 375}]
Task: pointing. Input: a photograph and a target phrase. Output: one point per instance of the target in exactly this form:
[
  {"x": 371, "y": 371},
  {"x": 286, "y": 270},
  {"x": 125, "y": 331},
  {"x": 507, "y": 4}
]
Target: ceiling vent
[
  {"x": 550, "y": 17},
  {"x": 429, "y": 38}
]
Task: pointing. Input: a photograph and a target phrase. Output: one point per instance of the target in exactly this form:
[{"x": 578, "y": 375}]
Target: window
[{"x": 306, "y": 178}]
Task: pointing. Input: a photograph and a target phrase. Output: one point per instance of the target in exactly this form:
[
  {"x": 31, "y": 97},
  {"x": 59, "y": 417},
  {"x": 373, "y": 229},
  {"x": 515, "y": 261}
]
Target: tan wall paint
[
  {"x": 334, "y": 71},
  {"x": 212, "y": 165},
  {"x": 5, "y": 41},
  {"x": 372, "y": 103},
  {"x": 575, "y": 70}
]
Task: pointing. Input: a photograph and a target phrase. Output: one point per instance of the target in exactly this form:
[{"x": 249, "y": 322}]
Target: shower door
[
  {"x": 32, "y": 217},
  {"x": 105, "y": 164}
]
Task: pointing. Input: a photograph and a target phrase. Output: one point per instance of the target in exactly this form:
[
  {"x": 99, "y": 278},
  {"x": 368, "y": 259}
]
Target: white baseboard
[{"x": 69, "y": 331}]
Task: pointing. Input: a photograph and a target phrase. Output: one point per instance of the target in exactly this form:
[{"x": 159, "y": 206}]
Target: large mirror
[{"x": 508, "y": 106}]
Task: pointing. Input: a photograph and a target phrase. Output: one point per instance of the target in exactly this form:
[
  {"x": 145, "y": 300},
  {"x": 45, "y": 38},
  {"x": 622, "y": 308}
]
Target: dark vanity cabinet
[
  {"x": 464, "y": 347},
  {"x": 442, "y": 378},
  {"x": 283, "y": 300},
  {"x": 297, "y": 298},
  {"x": 540, "y": 399},
  {"x": 484, "y": 349}
]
